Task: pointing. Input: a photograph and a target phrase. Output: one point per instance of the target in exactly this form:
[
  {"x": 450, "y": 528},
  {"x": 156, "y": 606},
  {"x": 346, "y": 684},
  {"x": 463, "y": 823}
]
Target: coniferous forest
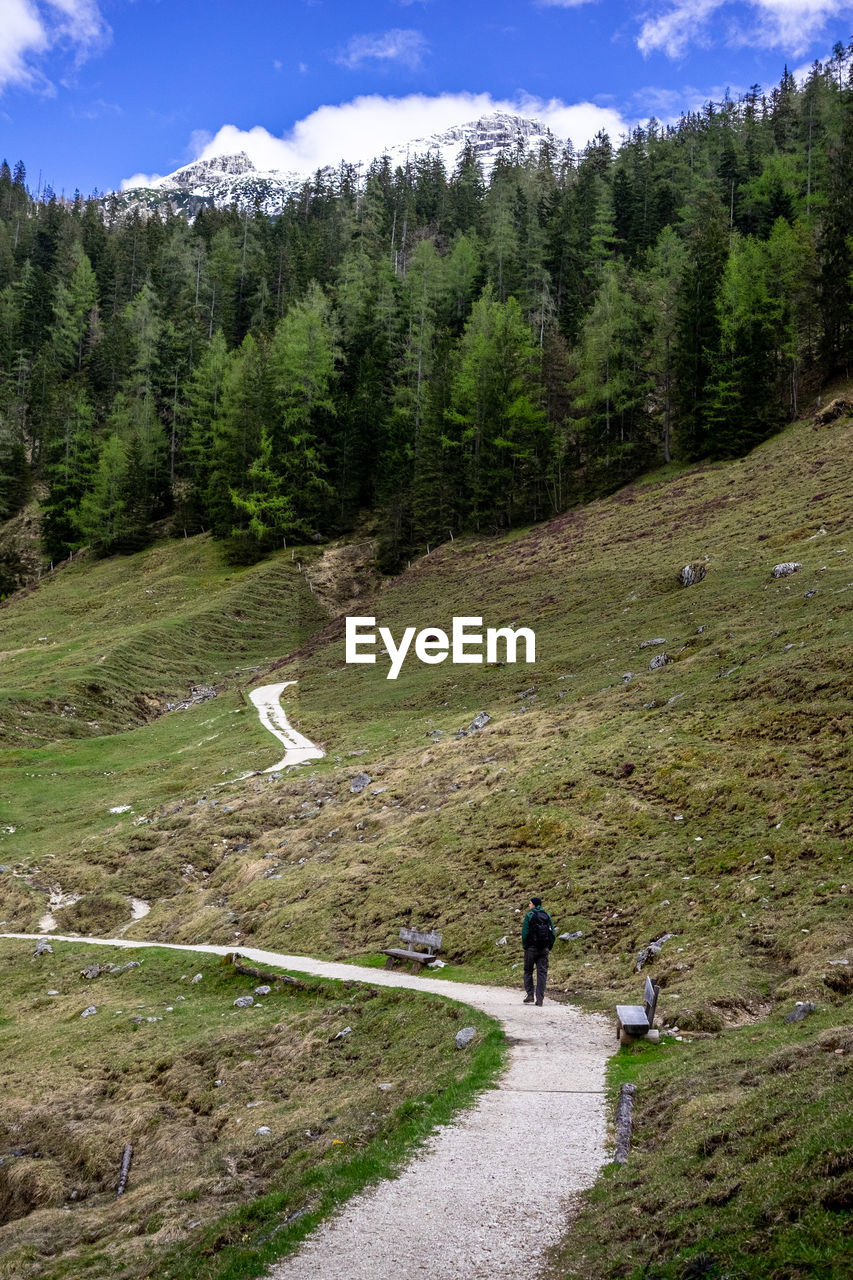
[{"x": 443, "y": 352}]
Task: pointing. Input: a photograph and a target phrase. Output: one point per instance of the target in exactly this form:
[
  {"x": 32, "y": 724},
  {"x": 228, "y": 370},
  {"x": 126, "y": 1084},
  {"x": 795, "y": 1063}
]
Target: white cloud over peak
[
  {"x": 788, "y": 25},
  {"x": 32, "y": 28},
  {"x": 403, "y": 45},
  {"x": 365, "y": 127}
]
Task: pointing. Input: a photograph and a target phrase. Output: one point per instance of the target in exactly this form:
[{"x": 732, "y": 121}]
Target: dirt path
[
  {"x": 491, "y": 1192},
  {"x": 298, "y": 748}
]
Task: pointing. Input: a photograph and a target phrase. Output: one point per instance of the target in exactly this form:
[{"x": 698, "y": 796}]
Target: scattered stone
[
  {"x": 87, "y": 1013},
  {"x": 801, "y": 1010},
  {"x": 627, "y": 676},
  {"x": 807, "y": 595},
  {"x": 243, "y": 1002},
  {"x": 43, "y": 948},
  {"x": 198, "y": 977},
  {"x": 645, "y": 644},
  {"x": 479, "y": 722},
  {"x": 571, "y": 937},
  {"x": 263, "y": 990},
  {"x": 56, "y": 993},
  {"x": 653, "y": 949},
  {"x": 692, "y": 573},
  {"x": 501, "y": 942},
  {"x": 95, "y": 970},
  {"x": 464, "y": 1037},
  {"x": 359, "y": 782},
  {"x": 263, "y": 1132},
  {"x": 658, "y": 661},
  {"x": 786, "y": 569},
  {"x": 436, "y": 964},
  {"x": 342, "y": 1035},
  {"x": 3, "y": 867},
  {"x": 385, "y": 1087},
  {"x": 198, "y": 693}
]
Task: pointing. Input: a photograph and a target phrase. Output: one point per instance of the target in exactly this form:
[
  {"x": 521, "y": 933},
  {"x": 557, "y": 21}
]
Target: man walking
[{"x": 537, "y": 938}]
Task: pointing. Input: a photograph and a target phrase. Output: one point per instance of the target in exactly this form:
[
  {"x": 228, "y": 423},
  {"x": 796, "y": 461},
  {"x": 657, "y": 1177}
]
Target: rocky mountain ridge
[{"x": 221, "y": 181}]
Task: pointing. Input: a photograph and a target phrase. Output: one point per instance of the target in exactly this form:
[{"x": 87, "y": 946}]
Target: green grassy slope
[
  {"x": 173, "y": 1068},
  {"x": 708, "y": 800}
]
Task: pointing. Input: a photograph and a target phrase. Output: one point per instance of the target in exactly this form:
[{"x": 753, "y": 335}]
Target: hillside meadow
[{"x": 706, "y": 800}]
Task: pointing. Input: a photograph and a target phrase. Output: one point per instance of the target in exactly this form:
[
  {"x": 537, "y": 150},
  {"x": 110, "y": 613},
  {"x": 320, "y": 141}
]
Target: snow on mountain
[{"x": 225, "y": 180}]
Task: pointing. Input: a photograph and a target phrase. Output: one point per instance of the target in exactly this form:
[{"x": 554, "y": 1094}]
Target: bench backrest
[
  {"x": 650, "y": 1000},
  {"x": 432, "y": 941}
]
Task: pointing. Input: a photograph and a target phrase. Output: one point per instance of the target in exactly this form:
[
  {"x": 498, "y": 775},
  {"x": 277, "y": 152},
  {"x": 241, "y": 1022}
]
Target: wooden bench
[
  {"x": 634, "y": 1021},
  {"x": 415, "y": 938}
]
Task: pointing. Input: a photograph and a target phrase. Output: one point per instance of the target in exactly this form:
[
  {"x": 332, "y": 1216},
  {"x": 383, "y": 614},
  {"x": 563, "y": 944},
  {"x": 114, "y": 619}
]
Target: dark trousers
[{"x": 536, "y": 958}]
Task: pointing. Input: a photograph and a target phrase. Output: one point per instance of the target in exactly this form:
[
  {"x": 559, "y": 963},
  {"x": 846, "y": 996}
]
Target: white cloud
[
  {"x": 364, "y": 128},
  {"x": 402, "y": 45},
  {"x": 789, "y": 25},
  {"x": 563, "y": 4},
  {"x": 140, "y": 180},
  {"x": 32, "y": 28},
  {"x": 671, "y": 32}
]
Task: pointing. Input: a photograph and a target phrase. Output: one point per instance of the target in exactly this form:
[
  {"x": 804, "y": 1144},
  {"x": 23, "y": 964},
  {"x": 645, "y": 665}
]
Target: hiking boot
[
  {"x": 539, "y": 1002},
  {"x": 527, "y": 1000}
]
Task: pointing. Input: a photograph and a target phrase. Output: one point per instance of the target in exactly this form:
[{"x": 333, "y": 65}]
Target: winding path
[
  {"x": 297, "y": 746},
  {"x": 489, "y": 1193}
]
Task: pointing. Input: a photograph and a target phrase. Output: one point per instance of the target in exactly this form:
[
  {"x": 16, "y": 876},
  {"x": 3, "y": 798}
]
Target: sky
[{"x": 94, "y": 93}]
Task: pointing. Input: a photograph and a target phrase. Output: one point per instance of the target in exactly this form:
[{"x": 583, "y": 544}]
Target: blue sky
[{"x": 95, "y": 91}]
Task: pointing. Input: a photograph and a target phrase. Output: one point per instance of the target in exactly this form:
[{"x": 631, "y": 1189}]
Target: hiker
[{"x": 537, "y": 938}]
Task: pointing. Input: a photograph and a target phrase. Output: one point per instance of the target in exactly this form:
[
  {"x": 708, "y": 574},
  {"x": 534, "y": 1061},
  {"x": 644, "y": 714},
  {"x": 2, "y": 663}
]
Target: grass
[
  {"x": 706, "y": 800},
  {"x": 740, "y": 1164},
  {"x": 172, "y": 1067}
]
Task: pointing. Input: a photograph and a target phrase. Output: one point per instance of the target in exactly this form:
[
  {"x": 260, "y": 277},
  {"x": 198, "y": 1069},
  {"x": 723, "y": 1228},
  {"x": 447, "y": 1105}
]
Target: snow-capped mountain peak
[{"x": 221, "y": 181}]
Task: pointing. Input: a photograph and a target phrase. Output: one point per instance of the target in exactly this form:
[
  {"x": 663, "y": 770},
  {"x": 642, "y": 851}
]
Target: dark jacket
[{"x": 525, "y": 928}]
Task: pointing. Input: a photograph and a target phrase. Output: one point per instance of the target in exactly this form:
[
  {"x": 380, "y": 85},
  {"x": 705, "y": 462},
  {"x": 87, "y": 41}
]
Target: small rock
[
  {"x": 347, "y": 1031},
  {"x": 263, "y": 990},
  {"x": 198, "y": 977},
  {"x": 479, "y": 722},
  {"x": 644, "y": 644},
  {"x": 464, "y": 1037},
  {"x": 243, "y": 1002},
  {"x": 692, "y": 573},
  {"x": 263, "y": 1132},
  {"x": 87, "y": 1013},
  {"x": 658, "y": 661},
  {"x": 43, "y": 948},
  {"x": 801, "y": 1010},
  {"x": 436, "y": 964},
  {"x": 501, "y": 942},
  {"x": 359, "y": 782},
  {"x": 571, "y": 937},
  {"x": 652, "y": 950},
  {"x": 385, "y": 1087},
  {"x": 786, "y": 569}
]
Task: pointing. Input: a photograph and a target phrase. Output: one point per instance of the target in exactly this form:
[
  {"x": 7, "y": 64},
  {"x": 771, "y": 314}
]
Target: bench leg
[{"x": 391, "y": 962}]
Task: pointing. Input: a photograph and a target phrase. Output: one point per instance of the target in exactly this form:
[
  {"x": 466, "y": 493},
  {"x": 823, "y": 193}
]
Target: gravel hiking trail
[
  {"x": 486, "y": 1196},
  {"x": 297, "y": 747}
]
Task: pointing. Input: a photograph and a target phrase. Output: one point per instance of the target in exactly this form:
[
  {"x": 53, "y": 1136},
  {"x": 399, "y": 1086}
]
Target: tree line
[{"x": 440, "y": 351}]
